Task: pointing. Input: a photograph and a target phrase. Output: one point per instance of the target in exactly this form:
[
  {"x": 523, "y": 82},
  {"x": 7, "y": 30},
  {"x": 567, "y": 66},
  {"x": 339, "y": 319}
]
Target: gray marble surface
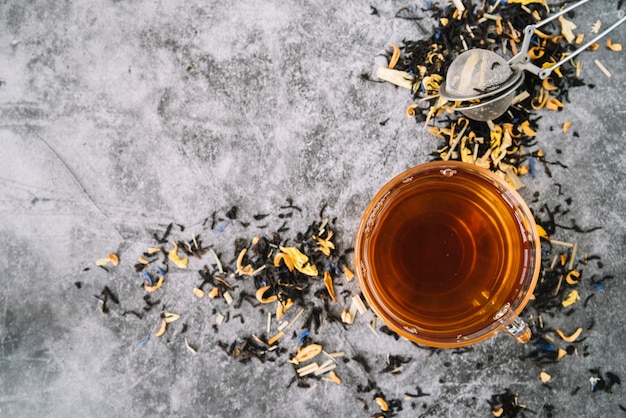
[{"x": 120, "y": 117}]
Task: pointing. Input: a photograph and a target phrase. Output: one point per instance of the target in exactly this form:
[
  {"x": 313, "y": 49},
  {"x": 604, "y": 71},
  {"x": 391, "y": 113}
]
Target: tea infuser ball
[
  {"x": 485, "y": 80},
  {"x": 483, "y": 84}
]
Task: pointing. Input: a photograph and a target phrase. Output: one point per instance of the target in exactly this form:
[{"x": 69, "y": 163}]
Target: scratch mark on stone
[{"x": 78, "y": 182}]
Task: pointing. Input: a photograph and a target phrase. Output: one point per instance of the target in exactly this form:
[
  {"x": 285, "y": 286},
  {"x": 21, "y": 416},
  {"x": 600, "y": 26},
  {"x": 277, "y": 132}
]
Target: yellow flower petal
[
  {"x": 240, "y": 269},
  {"x": 300, "y": 261},
  {"x": 285, "y": 258},
  {"x": 328, "y": 282},
  {"x": 554, "y": 104},
  {"x": 542, "y": 232},
  {"x": 572, "y": 337},
  {"x": 410, "y": 110},
  {"x": 111, "y": 258},
  {"x": 612, "y": 46},
  {"x": 566, "y": 126},
  {"x": 325, "y": 245},
  {"x": 572, "y": 297},
  {"x": 154, "y": 288},
  {"x": 260, "y": 295},
  {"x": 525, "y": 127},
  {"x": 181, "y": 263},
  {"x": 281, "y": 308},
  {"x": 570, "y": 277},
  {"x": 349, "y": 274},
  {"x": 545, "y": 377},
  {"x": 395, "y": 56},
  {"x": 527, "y": 2},
  {"x": 161, "y": 330}
]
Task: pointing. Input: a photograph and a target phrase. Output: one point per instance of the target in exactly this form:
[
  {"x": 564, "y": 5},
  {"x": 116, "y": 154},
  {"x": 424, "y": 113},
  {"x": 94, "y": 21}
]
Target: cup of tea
[{"x": 447, "y": 255}]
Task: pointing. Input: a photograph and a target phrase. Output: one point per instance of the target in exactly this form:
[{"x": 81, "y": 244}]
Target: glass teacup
[{"x": 447, "y": 255}]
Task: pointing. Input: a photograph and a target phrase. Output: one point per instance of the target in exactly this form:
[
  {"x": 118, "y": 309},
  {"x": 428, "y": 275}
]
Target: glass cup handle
[{"x": 519, "y": 330}]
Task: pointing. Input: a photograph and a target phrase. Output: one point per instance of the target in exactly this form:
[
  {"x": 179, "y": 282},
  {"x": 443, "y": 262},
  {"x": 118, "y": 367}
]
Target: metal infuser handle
[{"x": 522, "y": 59}]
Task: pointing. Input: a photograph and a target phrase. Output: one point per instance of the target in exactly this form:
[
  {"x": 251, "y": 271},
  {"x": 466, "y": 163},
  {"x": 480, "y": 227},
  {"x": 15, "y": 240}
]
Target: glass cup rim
[{"x": 411, "y": 331}]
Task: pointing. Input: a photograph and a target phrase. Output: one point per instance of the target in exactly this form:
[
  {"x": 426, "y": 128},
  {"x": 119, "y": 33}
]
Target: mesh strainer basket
[
  {"x": 483, "y": 84},
  {"x": 484, "y": 81},
  {"x": 476, "y": 72}
]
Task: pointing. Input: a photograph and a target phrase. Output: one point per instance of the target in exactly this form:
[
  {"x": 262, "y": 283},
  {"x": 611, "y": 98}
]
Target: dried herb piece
[
  {"x": 299, "y": 260},
  {"x": 181, "y": 263},
  {"x": 506, "y": 404},
  {"x": 112, "y": 258}
]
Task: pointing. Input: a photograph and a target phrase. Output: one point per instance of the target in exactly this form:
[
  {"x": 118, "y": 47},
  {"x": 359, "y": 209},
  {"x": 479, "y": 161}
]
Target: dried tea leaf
[
  {"x": 572, "y": 337},
  {"x": 181, "y": 263}
]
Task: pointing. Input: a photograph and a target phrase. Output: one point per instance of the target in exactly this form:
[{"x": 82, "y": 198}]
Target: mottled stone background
[{"x": 118, "y": 117}]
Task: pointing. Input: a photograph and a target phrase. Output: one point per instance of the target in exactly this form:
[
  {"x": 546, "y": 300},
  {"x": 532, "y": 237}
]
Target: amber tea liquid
[{"x": 447, "y": 252}]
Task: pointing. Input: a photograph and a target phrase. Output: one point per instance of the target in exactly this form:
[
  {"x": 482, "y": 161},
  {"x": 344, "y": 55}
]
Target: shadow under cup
[{"x": 447, "y": 254}]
